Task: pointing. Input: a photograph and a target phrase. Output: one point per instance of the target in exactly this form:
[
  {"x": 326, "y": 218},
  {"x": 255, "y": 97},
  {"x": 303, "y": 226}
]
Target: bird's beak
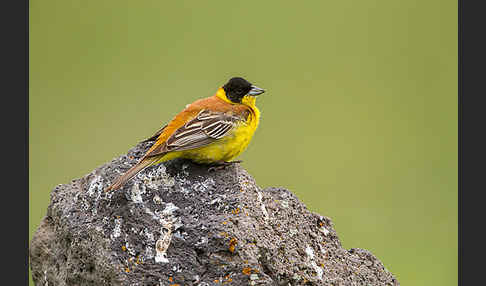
[{"x": 255, "y": 90}]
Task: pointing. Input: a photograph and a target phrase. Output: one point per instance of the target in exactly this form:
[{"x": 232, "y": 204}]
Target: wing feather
[{"x": 205, "y": 128}]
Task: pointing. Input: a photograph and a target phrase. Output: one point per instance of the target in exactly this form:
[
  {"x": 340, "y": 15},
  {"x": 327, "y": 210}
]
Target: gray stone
[{"x": 178, "y": 224}]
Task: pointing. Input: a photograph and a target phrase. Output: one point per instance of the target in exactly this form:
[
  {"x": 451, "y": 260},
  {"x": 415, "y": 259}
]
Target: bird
[{"x": 212, "y": 130}]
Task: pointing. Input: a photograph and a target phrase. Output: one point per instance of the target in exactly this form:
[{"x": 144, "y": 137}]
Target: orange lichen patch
[
  {"x": 236, "y": 211},
  {"x": 232, "y": 244},
  {"x": 248, "y": 270},
  {"x": 124, "y": 248},
  {"x": 224, "y": 222},
  {"x": 127, "y": 270},
  {"x": 216, "y": 281},
  {"x": 228, "y": 279}
]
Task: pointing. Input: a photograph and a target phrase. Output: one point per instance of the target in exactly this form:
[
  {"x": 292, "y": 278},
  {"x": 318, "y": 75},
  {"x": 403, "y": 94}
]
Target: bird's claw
[{"x": 222, "y": 165}]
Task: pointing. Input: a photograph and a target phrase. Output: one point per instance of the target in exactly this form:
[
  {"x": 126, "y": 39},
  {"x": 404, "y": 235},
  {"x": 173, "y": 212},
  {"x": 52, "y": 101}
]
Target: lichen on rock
[{"x": 177, "y": 223}]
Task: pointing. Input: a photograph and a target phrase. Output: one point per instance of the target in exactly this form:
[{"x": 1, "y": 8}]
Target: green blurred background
[{"x": 359, "y": 119}]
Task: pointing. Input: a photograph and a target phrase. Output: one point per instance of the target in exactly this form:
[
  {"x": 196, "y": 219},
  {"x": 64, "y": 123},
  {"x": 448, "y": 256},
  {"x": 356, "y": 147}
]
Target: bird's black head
[{"x": 237, "y": 88}]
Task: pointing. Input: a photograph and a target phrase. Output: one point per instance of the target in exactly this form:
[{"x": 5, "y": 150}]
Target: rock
[{"x": 178, "y": 224}]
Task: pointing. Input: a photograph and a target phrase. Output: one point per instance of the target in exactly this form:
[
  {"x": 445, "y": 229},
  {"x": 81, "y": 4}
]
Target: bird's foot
[{"x": 221, "y": 165}]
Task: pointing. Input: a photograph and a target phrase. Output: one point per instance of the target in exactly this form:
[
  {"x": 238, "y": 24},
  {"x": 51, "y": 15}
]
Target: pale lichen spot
[
  {"x": 324, "y": 230},
  {"x": 161, "y": 247},
  {"x": 323, "y": 250},
  {"x": 148, "y": 235},
  {"x": 262, "y": 205},
  {"x": 169, "y": 209},
  {"x": 157, "y": 200},
  {"x": 95, "y": 186},
  {"x": 204, "y": 186},
  {"x": 149, "y": 212},
  {"x": 117, "y": 229},
  {"x": 163, "y": 243},
  {"x": 157, "y": 177},
  {"x": 201, "y": 241},
  {"x": 136, "y": 193},
  {"x": 310, "y": 252},
  {"x": 317, "y": 269},
  {"x": 149, "y": 254},
  {"x": 216, "y": 200}
]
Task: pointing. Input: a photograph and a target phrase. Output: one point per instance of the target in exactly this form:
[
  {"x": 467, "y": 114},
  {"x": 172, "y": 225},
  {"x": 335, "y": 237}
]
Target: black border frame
[
  {"x": 14, "y": 20},
  {"x": 471, "y": 140}
]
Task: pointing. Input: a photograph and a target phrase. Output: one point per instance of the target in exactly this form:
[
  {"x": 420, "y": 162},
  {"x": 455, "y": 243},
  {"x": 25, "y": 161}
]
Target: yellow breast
[{"x": 242, "y": 136}]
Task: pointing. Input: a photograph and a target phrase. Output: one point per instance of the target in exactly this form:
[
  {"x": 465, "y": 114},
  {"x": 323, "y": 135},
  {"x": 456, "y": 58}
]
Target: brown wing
[
  {"x": 156, "y": 135},
  {"x": 205, "y": 128}
]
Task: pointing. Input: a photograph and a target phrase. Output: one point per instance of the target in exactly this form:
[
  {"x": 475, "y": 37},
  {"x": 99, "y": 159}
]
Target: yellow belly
[{"x": 225, "y": 149}]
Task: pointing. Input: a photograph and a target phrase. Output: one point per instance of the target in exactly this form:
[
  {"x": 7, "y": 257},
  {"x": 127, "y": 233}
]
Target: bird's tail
[{"x": 120, "y": 181}]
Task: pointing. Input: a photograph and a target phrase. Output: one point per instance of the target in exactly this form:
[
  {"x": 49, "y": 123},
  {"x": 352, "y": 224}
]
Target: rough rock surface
[{"x": 178, "y": 224}]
